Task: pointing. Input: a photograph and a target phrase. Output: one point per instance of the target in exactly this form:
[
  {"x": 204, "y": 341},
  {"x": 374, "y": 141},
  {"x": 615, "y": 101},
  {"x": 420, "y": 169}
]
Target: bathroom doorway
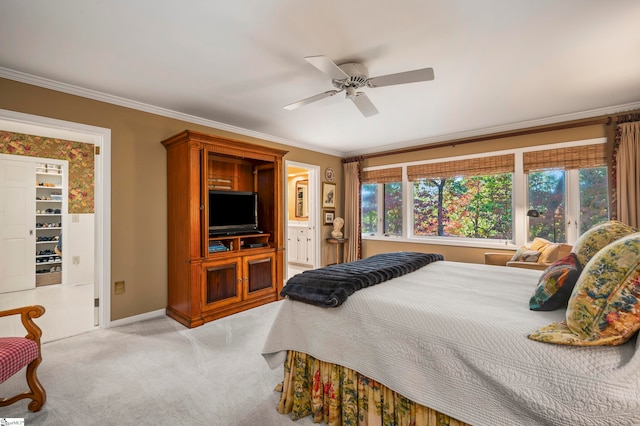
[{"x": 303, "y": 217}]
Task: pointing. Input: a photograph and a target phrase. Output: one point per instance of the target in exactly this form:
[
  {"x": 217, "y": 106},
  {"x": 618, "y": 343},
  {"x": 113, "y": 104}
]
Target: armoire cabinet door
[
  {"x": 259, "y": 274},
  {"x": 222, "y": 283}
]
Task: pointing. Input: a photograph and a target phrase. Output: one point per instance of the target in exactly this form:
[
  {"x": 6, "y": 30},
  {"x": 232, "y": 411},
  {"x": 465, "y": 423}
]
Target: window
[
  {"x": 382, "y": 202},
  {"x": 568, "y": 188},
  {"x": 559, "y": 214},
  {"x": 547, "y": 200},
  {"x": 475, "y": 197},
  {"x": 463, "y": 198},
  {"x": 391, "y": 208},
  {"x": 470, "y": 207},
  {"x": 369, "y": 215},
  {"x": 594, "y": 197}
]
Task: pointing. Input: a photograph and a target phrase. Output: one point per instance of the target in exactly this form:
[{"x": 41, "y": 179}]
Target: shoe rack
[{"x": 48, "y": 264}]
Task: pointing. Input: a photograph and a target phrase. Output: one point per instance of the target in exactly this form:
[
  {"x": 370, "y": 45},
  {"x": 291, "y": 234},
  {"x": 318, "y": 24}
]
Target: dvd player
[{"x": 255, "y": 245}]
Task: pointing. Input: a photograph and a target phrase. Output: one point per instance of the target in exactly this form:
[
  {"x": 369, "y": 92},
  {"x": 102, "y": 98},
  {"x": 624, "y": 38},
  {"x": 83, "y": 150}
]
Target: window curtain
[
  {"x": 626, "y": 170},
  {"x": 352, "y": 176}
]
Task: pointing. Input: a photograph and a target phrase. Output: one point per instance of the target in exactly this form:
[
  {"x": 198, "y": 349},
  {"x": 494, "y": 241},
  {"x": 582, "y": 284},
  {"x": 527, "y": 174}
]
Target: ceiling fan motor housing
[{"x": 358, "y": 76}]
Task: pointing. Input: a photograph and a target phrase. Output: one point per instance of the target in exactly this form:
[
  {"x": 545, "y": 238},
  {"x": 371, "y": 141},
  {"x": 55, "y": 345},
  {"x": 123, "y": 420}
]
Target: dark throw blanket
[{"x": 330, "y": 286}]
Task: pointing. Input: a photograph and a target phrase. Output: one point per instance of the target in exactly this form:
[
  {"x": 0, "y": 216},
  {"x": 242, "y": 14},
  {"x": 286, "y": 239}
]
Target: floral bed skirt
[{"x": 336, "y": 395}]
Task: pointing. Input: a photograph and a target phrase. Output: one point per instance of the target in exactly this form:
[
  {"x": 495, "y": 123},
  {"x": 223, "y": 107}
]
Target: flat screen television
[{"x": 232, "y": 212}]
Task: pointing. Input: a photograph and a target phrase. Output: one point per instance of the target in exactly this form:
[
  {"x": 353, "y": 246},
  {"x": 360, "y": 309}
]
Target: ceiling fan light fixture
[{"x": 351, "y": 76}]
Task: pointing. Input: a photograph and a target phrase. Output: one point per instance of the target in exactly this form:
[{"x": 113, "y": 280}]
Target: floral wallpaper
[{"x": 79, "y": 155}]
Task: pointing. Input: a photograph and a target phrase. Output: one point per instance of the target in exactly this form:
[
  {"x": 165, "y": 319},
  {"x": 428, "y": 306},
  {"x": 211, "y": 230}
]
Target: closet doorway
[
  {"x": 75, "y": 305},
  {"x": 303, "y": 217}
]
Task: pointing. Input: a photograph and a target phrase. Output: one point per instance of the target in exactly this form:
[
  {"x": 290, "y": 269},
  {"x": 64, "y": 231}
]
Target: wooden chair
[{"x": 19, "y": 352}]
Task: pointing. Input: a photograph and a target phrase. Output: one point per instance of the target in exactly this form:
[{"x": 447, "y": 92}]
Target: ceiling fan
[{"x": 352, "y": 76}]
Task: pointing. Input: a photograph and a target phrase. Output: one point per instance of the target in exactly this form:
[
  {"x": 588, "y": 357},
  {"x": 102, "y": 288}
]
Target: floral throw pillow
[
  {"x": 604, "y": 307},
  {"x": 598, "y": 237},
  {"x": 555, "y": 285}
]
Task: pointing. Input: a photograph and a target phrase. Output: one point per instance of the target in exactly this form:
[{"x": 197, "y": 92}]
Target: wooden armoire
[{"x": 212, "y": 275}]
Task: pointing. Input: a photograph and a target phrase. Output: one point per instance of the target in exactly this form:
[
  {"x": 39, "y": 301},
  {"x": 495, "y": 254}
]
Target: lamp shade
[{"x": 533, "y": 213}]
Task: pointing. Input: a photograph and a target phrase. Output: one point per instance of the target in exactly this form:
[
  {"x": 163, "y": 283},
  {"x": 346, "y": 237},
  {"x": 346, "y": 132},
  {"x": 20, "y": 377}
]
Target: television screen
[{"x": 232, "y": 211}]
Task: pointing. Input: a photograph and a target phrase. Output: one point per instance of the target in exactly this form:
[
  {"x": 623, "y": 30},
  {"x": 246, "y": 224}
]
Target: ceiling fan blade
[
  {"x": 327, "y": 66},
  {"x": 424, "y": 74},
  {"x": 311, "y": 99},
  {"x": 364, "y": 104}
]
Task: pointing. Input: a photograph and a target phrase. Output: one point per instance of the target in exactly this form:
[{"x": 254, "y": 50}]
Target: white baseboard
[{"x": 137, "y": 318}]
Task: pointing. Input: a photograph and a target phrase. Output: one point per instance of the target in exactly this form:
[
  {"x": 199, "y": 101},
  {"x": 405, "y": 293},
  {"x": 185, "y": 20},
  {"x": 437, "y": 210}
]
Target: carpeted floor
[{"x": 158, "y": 372}]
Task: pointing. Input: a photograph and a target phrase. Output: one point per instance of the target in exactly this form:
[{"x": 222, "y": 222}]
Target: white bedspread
[{"x": 453, "y": 337}]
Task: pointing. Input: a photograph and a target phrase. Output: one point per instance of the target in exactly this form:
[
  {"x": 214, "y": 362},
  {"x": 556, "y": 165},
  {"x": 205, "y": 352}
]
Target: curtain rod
[
  {"x": 628, "y": 117},
  {"x": 352, "y": 159}
]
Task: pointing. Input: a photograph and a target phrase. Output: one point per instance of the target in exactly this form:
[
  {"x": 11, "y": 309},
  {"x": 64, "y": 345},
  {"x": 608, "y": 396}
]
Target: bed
[{"x": 451, "y": 338}]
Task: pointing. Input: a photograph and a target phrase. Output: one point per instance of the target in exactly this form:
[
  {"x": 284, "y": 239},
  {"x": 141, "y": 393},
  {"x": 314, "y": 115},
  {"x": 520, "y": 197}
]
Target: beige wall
[
  {"x": 452, "y": 253},
  {"x": 469, "y": 254},
  {"x": 138, "y": 184}
]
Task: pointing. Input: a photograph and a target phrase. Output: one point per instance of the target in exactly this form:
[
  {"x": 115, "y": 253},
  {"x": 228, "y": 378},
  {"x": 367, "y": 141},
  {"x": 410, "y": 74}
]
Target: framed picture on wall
[
  {"x": 329, "y": 195},
  {"x": 328, "y": 215}
]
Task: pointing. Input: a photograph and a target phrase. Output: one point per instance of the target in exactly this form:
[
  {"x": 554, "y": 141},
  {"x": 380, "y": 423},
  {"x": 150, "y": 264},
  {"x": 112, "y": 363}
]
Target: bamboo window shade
[
  {"x": 471, "y": 167},
  {"x": 389, "y": 175},
  {"x": 575, "y": 157}
]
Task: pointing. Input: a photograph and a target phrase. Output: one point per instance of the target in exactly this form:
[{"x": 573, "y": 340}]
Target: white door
[
  {"x": 292, "y": 244},
  {"x": 302, "y": 255},
  {"x": 17, "y": 224}
]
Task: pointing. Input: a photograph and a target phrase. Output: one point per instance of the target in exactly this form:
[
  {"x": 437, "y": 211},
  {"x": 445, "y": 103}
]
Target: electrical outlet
[
  {"x": 119, "y": 287},
  {"x": 75, "y": 260}
]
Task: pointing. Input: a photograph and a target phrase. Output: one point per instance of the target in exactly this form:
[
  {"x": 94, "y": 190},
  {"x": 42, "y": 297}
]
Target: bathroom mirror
[{"x": 302, "y": 198}]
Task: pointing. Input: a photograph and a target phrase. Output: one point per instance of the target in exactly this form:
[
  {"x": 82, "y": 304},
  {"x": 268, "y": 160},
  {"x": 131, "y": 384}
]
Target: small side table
[{"x": 338, "y": 242}]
